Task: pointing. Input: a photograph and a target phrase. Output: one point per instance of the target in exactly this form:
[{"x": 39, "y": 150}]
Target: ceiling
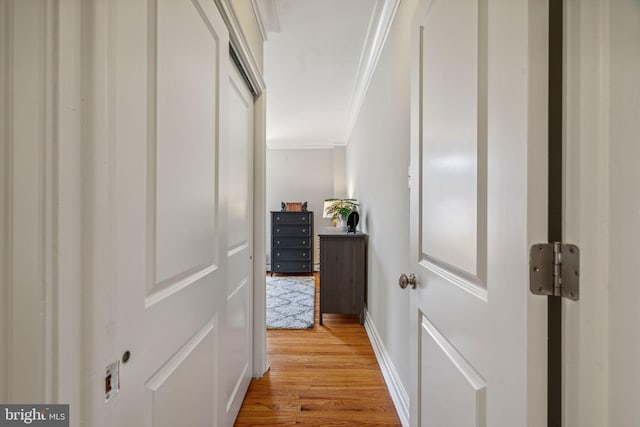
[{"x": 318, "y": 59}]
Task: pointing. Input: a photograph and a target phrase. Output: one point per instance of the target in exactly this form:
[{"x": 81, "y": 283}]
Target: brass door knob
[{"x": 405, "y": 281}]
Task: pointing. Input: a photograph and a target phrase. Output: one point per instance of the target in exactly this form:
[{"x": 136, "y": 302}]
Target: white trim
[
  {"x": 260, "y": 361},
  {"x": 590, "y": 182},
  {"x": 50, "y": 202},
  {"x": 383, "y": 14},
  {"x": 241, "y": 247},
  {"x": 267, "y": 14},
  {"x": 396, "y": 389},
  {"x": 275, "y": 18},
  {"x": 258, "y": 87},
  {"x": 465, "y": 281},
  {"x": 5, "y": 195},
  {"x": 165, "y": 292},
  {"x": 158, "y": 379},
  {"x": 259, "y": 19},
  {"x": 234, "y": 394},
  {"x": 70, "y": 296},
  {"x": 241, "y": 47},
  {"x": 28, "y": 220},
  {"x": 470, "y": 374}
]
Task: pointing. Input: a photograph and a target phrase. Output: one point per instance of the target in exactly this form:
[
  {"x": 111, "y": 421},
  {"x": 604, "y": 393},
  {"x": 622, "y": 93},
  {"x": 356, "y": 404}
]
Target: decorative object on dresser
[
  {"x": 291, "y": 242},
  {"x": 352, "y": 222},
  {"x": 343, "y": 272},
  {"x": 339, "y": 210},
  {"x": 294, "y": 206}
]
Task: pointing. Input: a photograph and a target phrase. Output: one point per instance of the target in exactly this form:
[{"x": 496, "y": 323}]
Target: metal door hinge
[{"x": 554, "y": 269}]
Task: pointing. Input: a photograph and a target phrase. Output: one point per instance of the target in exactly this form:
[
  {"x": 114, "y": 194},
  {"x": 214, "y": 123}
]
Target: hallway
[{"x": 324, "y": 376}]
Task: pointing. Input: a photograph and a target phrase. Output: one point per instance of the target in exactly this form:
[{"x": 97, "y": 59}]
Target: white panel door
[
  {"x": 476, "y": 85},
  {"x": 165, "y": 202},
  {"x": 602, "y": 213},
  {"x": 237, "y": 356}
]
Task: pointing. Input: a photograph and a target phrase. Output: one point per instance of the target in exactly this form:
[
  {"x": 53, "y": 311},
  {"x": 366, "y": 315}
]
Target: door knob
[{"x": 405, "y": 281}]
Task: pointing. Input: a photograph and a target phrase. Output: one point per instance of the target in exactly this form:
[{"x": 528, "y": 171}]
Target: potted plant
[{"x": 339, "y": 209}]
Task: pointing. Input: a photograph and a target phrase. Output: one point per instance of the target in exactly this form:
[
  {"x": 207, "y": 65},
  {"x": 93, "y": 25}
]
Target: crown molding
[
  {"x": 241, "y": 47},
  {"x": 267, "y": 16},
  {"x": 379, "y": 26},
  {"x": 259, "y": 19}
]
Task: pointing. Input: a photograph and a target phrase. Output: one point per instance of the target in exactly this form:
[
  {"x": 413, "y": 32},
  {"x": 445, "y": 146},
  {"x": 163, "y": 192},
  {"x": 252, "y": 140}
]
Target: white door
[
  {"x": 237, "y": 356},
  {"x": 602, "y": 213},
  {"x": 478, "y": 200},
  {"x": 162, "y": 288}
]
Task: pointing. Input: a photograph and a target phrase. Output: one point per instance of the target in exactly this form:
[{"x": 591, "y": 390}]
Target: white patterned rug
[{"x": 290, "y": 302}]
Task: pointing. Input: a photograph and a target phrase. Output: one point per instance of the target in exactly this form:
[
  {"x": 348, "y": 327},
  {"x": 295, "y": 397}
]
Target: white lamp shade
[{"x": 324, "y": 209}]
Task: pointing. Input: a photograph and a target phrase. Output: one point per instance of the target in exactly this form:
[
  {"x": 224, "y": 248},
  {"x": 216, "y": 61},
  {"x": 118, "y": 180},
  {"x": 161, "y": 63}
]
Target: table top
[{"x": 338, "y": 232}]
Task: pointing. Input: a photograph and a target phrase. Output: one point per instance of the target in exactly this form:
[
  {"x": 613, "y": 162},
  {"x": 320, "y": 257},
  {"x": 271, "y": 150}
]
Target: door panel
[
  {"x": 453, "y": 137},
  {"x": 185, "y": 141},
  {"x": 166, "y": 403},
  {"x": 452, "y": 392},
  {"x": 238, "y": 333},
  {"x": 470, "y": 206}
]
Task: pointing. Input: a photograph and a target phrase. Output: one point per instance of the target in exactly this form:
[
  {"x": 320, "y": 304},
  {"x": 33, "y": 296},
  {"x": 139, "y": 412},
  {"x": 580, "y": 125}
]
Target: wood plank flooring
[{"x": 324, "y": 376}]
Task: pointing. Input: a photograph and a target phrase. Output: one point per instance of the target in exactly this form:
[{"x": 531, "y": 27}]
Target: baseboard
[{"x": 398, "y": 393}]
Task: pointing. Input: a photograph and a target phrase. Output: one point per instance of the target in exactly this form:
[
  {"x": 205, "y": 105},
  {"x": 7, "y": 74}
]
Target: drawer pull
[
  {"x": 278, "y": 266},
  {"x": 278, "y": 242},
  {"x": 278, "y": 218},
  {"x": 304, "y": 218},
  {"x": 304, "y": 230},
  {"x": 303, "y": 254},
  {"x": 304, "y": 243},
  {"x": 277, "y": 230},
  {"x": 278, "y": 253}
]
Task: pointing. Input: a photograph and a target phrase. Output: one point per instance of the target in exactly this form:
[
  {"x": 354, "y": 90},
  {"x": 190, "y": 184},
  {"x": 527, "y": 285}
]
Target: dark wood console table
[{"x": 343, "y": 272}]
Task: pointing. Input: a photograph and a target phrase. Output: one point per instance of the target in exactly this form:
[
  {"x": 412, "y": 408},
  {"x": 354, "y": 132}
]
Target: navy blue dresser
[{"x": 291, "y": 242}]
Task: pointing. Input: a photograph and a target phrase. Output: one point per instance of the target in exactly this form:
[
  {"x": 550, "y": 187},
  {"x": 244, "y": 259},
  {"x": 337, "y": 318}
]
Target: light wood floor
[{"x": 324, "y": 376}]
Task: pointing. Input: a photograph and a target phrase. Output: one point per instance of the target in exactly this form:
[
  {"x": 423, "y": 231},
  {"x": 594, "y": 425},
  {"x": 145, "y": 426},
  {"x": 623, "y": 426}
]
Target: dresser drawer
[
  {"x": 292, "y": 218},
  {"x": 292, "y": 242},
  {"x": 291, "y": 230},
  {"x": 291, "y": 255},
  {"x": 291, "y": 266}
]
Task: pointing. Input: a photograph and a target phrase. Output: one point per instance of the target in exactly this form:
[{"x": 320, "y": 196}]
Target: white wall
[
  {"x": 340, "y": 171},
  {"x": 299, "y": 175},
  {"x": 377, "y": 166}
]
